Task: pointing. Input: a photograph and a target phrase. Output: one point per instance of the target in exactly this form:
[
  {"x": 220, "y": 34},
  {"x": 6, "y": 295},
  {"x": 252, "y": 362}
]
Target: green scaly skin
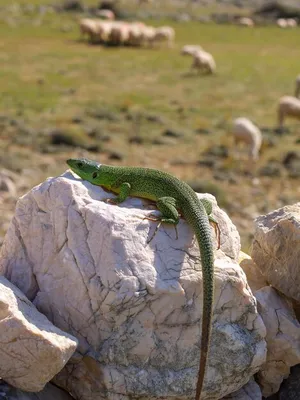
[{"x": 170, "y": 195}]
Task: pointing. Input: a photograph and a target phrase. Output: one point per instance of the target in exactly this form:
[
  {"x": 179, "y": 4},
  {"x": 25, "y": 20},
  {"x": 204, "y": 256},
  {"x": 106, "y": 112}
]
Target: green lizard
[{"x": 170, "y": 195}]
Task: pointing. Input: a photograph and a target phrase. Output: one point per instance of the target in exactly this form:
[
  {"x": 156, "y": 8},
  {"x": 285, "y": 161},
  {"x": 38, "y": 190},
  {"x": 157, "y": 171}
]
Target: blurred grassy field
[
  {"x": 255, "y": 67},
  {"x": 49, "y": 75}
]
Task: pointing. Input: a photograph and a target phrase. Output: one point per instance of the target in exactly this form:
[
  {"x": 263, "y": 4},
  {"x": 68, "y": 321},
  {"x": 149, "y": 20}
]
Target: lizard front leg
[{"x": 124, "y": 192}]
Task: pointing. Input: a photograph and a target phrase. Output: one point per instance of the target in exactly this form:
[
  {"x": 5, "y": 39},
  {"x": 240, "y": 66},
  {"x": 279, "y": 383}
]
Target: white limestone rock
[
  {"x": 255, "y": 278},
  {"x": 276, "y": 249},
  {"x": 135, "y": 308},
  {"x": 251, "y": 391},
  {"x": 32, "y": 350},
  {"x": 283, "y": 339}
]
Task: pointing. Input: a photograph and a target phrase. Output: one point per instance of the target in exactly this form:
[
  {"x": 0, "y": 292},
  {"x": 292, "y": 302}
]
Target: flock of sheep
[
  {"x": 138, "y": 34},
  {"x": 109, "y": 31},
  {"x": 121, "y": 33}
]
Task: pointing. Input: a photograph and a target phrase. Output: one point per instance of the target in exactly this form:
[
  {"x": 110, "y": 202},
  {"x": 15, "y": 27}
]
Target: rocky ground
[{"x": 58, "y": 254}]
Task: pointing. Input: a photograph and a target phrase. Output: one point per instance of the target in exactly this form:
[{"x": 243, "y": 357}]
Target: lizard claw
[
  {"x": 110, "y": 201},
  {"x": 150, "y": 218}
]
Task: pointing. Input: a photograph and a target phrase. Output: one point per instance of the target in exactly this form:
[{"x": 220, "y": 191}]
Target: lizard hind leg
[
  {"x": 169, "y": 214},
  {"x": 216, "y": 228}
]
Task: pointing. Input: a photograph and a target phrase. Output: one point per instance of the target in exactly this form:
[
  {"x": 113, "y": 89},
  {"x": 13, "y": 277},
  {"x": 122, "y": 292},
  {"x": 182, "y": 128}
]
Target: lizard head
[{"x": 86, "y": 169}]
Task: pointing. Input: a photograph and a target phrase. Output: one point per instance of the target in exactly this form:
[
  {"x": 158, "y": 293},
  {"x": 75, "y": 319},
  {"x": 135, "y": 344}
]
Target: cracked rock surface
[
  {"x": 135, "y": 308},
  {"x": 283, "y": 339},
  {"x": 251, "y": 391},
  {"x": 276, "y": 249},
  {"x": 32, "y": 349}
]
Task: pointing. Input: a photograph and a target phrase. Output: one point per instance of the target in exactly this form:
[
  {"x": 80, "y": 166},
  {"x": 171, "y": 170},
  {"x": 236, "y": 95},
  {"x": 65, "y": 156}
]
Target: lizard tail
[{"x": 203, "y": 235}]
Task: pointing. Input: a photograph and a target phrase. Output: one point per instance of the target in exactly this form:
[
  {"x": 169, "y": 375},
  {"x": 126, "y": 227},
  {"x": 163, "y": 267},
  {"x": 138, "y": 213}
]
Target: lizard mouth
[{"x": 71, "y": 162}]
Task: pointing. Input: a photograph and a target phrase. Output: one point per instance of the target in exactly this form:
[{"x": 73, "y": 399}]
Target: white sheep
[
  {"x": 245, "y": 21},
  {"x": 291, "y": 22},
  {"x": 88, "y": 27},
  {"x": 288, "y": 106},
  {"x": 148, "y": 33},
  {"x": 297, "y": 90},
  {"x": 119, "y": 33},
  {"x": 135, "y": 35},
  {"x": 281, "y": 22},
  {"x": 244, "y": 131},
  {"x": 104, "y": 29},
  {"x": 203, "y": 61},
  {"x": 106, "y": 14},
  {"x": 140, "y": 34},
  {"x": 164, "y": 33},
  {"x": 190, "y": 49}
]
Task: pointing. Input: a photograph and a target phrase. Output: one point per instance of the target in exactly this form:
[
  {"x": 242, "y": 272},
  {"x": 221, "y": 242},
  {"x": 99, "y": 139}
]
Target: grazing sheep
[
  {"x": 104, "y": 30},
  {"x": 124, "y": 33},
  {"x": 297, "y": 90},
  {"x": 190, "y": 49},
  {"x": 245, "y": 21},
  {"x": 139, "y": 33},
  {"x": 135, "y": 34},
  {"x": 287, "y": 23},
  {"x": 245, "y": 131},
  {"x": 203, "y": 61},
  {"x": 281, "y": 22},
  {"x": 88, "y": 27},
  {"x": 106, "y": 14},
  {"x": 288, "y": 106},
  {"x": 119, "y": 33},
  {"x": 148, "y": 33},
  {"x": 291, "y": 22},
  {"x": 164, "y": 33}
]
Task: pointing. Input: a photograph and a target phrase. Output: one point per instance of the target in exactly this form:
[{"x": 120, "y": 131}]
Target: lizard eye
[
  {"x": 94, "y": 175},
  {"x": 80, "y": 165}
]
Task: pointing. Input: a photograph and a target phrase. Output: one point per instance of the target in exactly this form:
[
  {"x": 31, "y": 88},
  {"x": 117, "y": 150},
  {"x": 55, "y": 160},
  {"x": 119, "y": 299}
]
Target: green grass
[
  {"x": 254, "y": 68},
  {"x": 48, "y": 76}
]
